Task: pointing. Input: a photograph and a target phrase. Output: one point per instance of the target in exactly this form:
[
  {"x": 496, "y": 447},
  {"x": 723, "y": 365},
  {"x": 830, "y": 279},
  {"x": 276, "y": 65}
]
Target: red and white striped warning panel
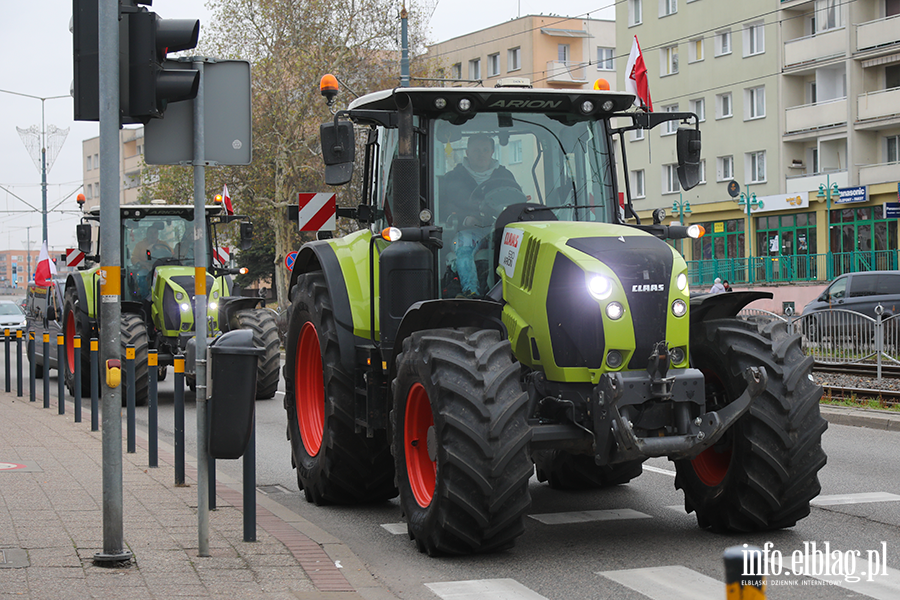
[
  {"x": 74, "y": 257},
  {"x": 317, "y": 212},
  {"x": 222, "y": 255}
]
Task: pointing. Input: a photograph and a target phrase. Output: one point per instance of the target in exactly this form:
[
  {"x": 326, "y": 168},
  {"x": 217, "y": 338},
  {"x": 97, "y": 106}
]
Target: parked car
[
  {"x": 43, "y": 312},
  {"x": 11, "y": 317},
  {"x": 22, "y": 302},
  {"x": 857, "y": 292}
]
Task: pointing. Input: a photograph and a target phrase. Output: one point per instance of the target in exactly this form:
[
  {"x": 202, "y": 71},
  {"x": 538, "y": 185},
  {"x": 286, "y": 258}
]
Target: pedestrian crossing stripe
[
  {"x": 860, "y": 498},
  {"x": 395, "y": 528},
  {"x": 481, "y": 589},
  {"x": 668, "y": 583},
  {"x": 586, "y": 516}
]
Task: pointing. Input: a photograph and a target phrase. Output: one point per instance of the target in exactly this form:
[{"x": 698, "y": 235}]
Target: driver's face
[{"x": 479, "y": 153}]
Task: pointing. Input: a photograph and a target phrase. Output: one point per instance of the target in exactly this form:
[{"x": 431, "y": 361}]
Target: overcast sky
[{"x": 39, "y": 63}]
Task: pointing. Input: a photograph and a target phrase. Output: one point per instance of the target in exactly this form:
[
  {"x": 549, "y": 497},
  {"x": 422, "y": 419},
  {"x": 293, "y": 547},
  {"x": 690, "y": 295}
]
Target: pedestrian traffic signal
[
  {"x": 86, "y": 68},
  {"x": 151, "y": 86}
]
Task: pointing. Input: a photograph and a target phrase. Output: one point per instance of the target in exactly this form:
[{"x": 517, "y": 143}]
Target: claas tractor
[
  {"x": 158, "y": 295},
  {"x": 501, "y": 314}
]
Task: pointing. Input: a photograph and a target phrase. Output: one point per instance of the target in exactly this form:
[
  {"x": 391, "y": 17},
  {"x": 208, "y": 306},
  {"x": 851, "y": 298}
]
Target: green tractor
[
  {"x": 158, "y": 281},
  {"x": 496, "y": 315}
]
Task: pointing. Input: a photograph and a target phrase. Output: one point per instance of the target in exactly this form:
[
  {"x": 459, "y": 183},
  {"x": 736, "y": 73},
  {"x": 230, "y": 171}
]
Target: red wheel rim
[
  {"x": 309, "y": 389},
  {"x": 712, "y": 464},
  {"x": 416, "y": 424},
  {"x": 70, "y": 341}
]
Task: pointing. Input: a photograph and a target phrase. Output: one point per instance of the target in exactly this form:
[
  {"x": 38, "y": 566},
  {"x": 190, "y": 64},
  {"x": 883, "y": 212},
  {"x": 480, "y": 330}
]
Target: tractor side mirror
[
  {"x": 338, "y": 151},
  {"x": 688, "y": 146},
  {"x": 246, "y": 235},
  {"x": 83, "y": 234}
]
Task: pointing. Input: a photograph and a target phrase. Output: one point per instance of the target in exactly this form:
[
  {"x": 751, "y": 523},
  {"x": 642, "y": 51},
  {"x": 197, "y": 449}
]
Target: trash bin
[{"x": 233, "y": 359}]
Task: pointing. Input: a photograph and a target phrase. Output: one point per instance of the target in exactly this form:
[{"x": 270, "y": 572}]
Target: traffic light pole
[
  {"x": 200, "y": 323},
  {"x": 114, "y": 550}
]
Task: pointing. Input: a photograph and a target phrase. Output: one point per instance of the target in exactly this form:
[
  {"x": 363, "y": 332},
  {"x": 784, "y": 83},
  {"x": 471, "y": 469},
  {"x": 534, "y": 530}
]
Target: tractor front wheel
[
  {"x": 265, "y": 335},
  {"x": 460, "y": 441},
  {"x": 763, "y": 472},
  {"x": 134, "y": 333},
  {"x": 73, "y": 325}
]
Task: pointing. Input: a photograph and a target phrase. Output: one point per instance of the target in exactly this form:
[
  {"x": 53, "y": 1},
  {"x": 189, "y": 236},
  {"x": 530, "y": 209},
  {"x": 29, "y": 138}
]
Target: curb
[{"x": 861, "y": 417}]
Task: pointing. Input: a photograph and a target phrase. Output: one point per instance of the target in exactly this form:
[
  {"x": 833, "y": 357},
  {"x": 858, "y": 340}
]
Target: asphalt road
[{"x": 643, "y": 541}]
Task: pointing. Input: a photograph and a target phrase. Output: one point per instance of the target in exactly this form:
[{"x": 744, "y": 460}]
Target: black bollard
[
  {"x": 76, "y": 370},
  {"x": 153, "y": 412},
  {"x": 179, "y": 420},
  {"x": 46, "y": 369},
  {"x": 61, "y": 372},
  {"x": 130, "y": 392},
  {"x": 8, "y": 371},
  {"x": 744, "y": 568},
  {"x": 95, "y": 384},
  {"x": 250, "y": 486},
  {"x": 19, "y": 363},
  {"x": 32, "y": 395}
]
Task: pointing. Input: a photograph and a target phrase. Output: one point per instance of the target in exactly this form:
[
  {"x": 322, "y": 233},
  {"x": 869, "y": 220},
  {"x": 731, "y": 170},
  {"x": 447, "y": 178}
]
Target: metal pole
[
  {"x": 46, "y": 369},
  {"x": 130, "y": 391},
  {"x": 32, "y": 396},
  {"x": 76, "y": 369},
  {"x": 211, "y": 475},
  {"x": 95, "y": 384},
  {"x": 200, "y": 264},
  {"x": 7, "y": 360},
  {"x": 114, "y": 549},
  {"x": 250, "y": 485},
  {"x": 179, "y": 420},
  {"x": 404, "y": 48},
  {"x": 61, "y": 372},
  {"x": 153, "y": 413}
]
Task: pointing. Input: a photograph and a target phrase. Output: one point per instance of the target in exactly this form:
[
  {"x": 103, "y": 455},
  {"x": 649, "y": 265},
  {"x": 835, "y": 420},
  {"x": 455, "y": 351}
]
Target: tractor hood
[
  {"x": 575, "y": 291},
  {"x": 174, "y": 304}
]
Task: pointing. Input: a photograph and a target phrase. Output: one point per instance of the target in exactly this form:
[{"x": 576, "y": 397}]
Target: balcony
[
  {"x": 878, "y": 33},
  {"x": 826, "y": 44},
  {"x": 879, "y": 173},
  {"x": 815, "y": 116},
  {"x": 810, "y": 183},
  {"x": 566, "y": 73},
  {"x": 878, "y": 104}
]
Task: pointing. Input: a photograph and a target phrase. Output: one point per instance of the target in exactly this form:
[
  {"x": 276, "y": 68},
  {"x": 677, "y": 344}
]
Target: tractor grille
[
  {"x": 638, "y": 262},
  {"x": 531, "y": 255}
]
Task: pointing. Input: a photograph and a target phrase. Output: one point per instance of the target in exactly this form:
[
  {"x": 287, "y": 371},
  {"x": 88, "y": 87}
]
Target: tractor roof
[
  {"x": 507, "y": 99},
  {"x": 138, "y": 210}
]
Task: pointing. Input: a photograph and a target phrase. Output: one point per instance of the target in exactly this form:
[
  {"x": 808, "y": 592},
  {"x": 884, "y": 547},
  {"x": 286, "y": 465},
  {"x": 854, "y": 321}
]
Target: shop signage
[
  {"x": 892, "y": 210},
  {"x": 854, "y": 194},
  {"x": 783, "y": 202}
]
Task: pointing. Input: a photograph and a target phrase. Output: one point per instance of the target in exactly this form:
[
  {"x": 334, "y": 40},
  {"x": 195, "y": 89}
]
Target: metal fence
[{"x": 837, "y": 336}]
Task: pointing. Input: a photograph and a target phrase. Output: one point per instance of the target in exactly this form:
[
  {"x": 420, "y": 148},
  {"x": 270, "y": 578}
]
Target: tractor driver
[{"x": 144, "y": 253}]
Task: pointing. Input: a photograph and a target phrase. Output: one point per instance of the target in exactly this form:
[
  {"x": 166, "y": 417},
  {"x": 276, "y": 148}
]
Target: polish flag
[
  {"x": 226, "y": 199},
  {"x": 636, "y": 77},
  {"x": 45, "y": 267}
]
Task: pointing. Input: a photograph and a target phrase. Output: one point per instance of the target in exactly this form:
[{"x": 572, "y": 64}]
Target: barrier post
[
  {"x": 19, "y": 363},
  {"x": 130, "y": 395},
  {"x": 8, "y": 369},
  {"x": 179, "y": 420},
  {"x": 95, "y": 384},
  {"x": 153, "y": 412},
  {"x": 76, "y": 370},
  {"x": 744, "y": 568},
  {"x": 250, "y": 486},
  {"x": 46, "y": 369},
  {"x": 61, "y": 372},
  {"x": 32, "y": 395}
]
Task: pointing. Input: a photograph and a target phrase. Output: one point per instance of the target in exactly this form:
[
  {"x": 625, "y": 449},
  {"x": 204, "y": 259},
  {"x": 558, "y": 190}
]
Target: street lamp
[
  {"x": 749, "y": 201},
  {"x": 827, "y": 190},
  {"x": 682, "y": 207}
]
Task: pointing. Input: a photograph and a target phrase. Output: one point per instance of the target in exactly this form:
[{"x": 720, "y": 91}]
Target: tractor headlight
[
  {"x": 614, "y": 311},
  {"x": 679, "y": 308},
  {"x": 614, "y": 359},
  {"x": 681, "y": 281},
  {"x": 185, "y": 307},
  {"x": 213, "y": 305},
  {"x": 676, "y": 355},
  {"x": 600, "y": 287},
  {"x": 179, "y": 296}
]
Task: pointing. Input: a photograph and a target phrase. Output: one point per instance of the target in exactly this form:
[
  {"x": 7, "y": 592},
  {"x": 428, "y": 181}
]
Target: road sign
[
  {"x": 317, "y": 212},
  {"x": 74, "y": 257},
  {"x": 223, "y": 255},
  {"x": 734, "y": 188},
  {"x": 289, "y": 260}
]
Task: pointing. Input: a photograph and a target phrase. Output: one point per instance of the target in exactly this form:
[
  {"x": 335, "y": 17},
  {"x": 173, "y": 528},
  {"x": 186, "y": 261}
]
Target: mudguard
[{"x": 705, "y": 307}]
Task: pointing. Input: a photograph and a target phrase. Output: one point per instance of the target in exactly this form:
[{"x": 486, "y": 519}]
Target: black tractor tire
[
  {"x": 73, "y": 325},
  {"x": 763, "y": 472},
  {"x": 460, "y": 441},
  {"x": 566, "y": 471},
  {"x": 265, "y": 335},
  {"x": 335, "y": 463},
  {"x": 134, "y": 332}
]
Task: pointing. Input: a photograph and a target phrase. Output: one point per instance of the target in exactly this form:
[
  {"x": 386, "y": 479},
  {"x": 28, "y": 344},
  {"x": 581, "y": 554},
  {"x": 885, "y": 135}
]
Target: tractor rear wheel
[
  {"x": 763, "y": 472},
  {"x": 566, "y": 471},
  {"x": 134, "y": 332},
  {"x": 334, "y": 463},
  {"x": 265, "y": 335},
  {"x": 73, "y": 325},
  {"x": 460, "y": 441}
]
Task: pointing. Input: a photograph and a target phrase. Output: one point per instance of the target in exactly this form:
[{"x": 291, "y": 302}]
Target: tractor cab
[{"x": 153, "y": 241}]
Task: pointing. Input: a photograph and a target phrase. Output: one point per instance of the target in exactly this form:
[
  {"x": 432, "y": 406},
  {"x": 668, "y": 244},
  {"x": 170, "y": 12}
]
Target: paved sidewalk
[{"x": 51, "y": 526}]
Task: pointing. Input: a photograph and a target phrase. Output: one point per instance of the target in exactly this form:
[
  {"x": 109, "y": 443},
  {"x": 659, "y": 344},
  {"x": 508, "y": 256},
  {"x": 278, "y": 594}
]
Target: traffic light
[
  {"x": 151, "y": 86},
  {"x": 86, "y": 68}
]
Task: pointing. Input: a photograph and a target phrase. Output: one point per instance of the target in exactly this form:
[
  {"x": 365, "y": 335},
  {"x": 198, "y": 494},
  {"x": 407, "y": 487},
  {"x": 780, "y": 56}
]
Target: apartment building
[
  {"x": 550, "y": 51},
  {"x": 17, "y": 267},
  {"x": 798, "y": 102},
  {"x": 131, "y": 164}
]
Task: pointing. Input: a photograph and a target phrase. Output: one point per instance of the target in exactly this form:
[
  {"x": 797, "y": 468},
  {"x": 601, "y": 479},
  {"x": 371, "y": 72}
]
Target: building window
[
  {"x": 670, "y": 179},
  {"x": 88, "y": 191},
  {"x": 723, "y": 42},
  {"x": 635, "y": 12},
  {"x": 515, "y": 152},
  {"x": 668, "y": 7},
  {"x": 756, "y": 166},
  {"x": 637, "y": 184},
  {"x": 788, "y": 235},
  {"x": 456, "y": 71},
  {"x": 475, "y": 69},
  {"x": 493, "y": 65},
  {"x": 754, "y": 39},
  {"x": 668, "y": 60},
  {"x": 606, "y": 59},
  {"x": 725, "y": 168},
  {"x": 637, "y": 134},
  {"x": 670, "y": 126},
  {"x": 695, "y": 50},
  {"x": 892, "y": 152},
  {"x": 88, "y": 163},
  {"x": 755, "y": 103},
  {"x": 514, "y": 59},
  {"x": 828, "y": 15},
  {"x": 723, "y": 239},
  {"x": 96, "y": 189},
  {"x": 562, "y": 53},
  {"x": 723, "y": 105},
  {"x": 703, "y": 171},
  {"x": 698, "y": 107}
]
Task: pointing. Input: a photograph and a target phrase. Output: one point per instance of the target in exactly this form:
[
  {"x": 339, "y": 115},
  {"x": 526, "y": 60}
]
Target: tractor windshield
[
  {"x": 498, "y": 168},
  {"x": 150, "y": 242}
]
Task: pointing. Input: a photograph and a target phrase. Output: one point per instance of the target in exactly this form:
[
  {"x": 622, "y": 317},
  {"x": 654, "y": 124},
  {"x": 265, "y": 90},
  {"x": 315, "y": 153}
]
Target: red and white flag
[
  {"x": 636, "y": 77},
  {"x": 45, "y": 267},
  {"x": 226, "y": 199}
]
